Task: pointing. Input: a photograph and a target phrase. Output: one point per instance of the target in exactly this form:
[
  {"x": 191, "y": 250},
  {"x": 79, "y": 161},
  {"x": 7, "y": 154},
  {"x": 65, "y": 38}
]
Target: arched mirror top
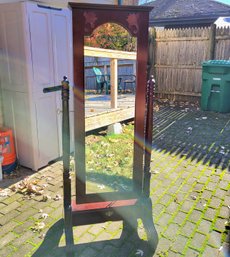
[
  {"x": 112, "y": 36},
  {"x": 128, "y": 17},
  {"x": 92, "y": 22}
]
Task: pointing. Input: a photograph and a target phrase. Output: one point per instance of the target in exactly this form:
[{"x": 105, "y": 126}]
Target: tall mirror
[
  {"x": 110, "y": 53},
  {"x": 110, "y": 88}
]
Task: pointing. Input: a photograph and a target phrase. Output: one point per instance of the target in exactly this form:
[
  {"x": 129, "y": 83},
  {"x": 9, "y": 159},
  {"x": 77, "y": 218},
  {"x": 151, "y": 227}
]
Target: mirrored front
[{"x": 110, "y": 87}]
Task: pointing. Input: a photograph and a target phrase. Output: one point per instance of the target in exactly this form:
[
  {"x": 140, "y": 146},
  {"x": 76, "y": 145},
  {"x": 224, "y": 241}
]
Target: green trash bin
[{"x": 215, "y": 95}]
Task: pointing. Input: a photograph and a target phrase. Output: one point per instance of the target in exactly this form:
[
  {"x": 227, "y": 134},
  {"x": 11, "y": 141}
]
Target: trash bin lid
[{"x": 216, "y": 63}]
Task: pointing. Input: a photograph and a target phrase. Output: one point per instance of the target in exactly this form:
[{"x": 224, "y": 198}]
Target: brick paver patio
[{"x": 189, "y": 190}]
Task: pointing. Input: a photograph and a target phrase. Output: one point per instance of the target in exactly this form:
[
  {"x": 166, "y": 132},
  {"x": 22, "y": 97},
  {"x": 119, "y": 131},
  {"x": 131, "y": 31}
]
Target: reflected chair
[
  {"x": 130, "y": 80},
  {"x": 104, "y": 80},
  {"x": 100, "y": 80}
]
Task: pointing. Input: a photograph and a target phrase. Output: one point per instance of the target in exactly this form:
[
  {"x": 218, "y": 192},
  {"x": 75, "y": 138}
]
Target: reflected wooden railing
[{"x": 114, "y": 56}]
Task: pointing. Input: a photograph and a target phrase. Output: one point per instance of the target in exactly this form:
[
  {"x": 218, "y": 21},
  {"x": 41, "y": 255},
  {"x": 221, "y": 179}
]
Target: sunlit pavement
[{"x": 189, "y": 191}]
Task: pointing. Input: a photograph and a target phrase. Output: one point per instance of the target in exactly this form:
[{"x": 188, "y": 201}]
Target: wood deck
[{"x": 100, "y": 114}]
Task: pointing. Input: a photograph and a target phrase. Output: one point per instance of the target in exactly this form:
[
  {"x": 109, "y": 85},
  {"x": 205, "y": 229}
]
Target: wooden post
[
  {"x": 113, "y": 82},
  {"x": 212, "y": 42},
  {"x": 151, "y": 52}
]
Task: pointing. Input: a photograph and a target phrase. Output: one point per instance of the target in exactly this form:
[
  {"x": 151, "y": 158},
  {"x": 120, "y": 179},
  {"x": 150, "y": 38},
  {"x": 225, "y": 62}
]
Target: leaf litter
[{"x": 28, "y": 187}]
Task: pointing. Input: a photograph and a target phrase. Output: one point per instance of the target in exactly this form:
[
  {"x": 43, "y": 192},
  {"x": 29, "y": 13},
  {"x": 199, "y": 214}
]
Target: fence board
[{"x": 179, "y": 55}]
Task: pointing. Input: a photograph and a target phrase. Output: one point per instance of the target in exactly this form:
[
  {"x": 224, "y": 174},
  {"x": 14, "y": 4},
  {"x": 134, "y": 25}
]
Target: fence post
[{"x": 212, "y": 42}]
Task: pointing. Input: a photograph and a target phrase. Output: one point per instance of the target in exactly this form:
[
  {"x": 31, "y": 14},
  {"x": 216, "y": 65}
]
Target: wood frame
[
  {"x": 90, "y": 17},
  {"x": 89, "y": 209}
]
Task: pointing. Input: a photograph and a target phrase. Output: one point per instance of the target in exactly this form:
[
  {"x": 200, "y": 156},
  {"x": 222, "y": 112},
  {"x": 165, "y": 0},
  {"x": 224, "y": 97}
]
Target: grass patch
[{"x": 109, "y": 160}]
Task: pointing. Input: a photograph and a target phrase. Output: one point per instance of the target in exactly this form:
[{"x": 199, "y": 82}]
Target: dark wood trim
[{"x": 109, "y": 7}]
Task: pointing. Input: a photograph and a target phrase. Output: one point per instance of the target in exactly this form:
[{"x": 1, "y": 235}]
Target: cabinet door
[
  {"x": 48, "y": 142},
  {"x": 12, "y": 49},
  {"x": 61, "y": 21},
  {"x": 43, "y": 76},
  {"x": 61, "y": 29},
  {"x": 41, "y": 47}
]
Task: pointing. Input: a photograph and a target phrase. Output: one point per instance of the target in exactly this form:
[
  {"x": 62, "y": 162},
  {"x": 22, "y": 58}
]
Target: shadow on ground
[
  {"x": 185, "y": 132},
  {"x": 123, "y": 247},
  {"x": 193, "y": 134}
]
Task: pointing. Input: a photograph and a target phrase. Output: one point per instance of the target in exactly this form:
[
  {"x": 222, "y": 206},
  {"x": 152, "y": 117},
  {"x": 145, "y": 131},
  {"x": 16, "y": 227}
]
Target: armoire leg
[
  {"x": 147, "y": 219},
  {"x": 69, "y": 232}
]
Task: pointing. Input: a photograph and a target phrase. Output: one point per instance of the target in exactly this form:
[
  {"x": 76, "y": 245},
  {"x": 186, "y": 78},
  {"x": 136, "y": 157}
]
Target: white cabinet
[{"x": 35, "y": 52}]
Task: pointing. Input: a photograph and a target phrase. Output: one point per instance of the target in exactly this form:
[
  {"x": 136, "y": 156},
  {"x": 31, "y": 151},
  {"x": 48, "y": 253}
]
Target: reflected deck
[{"x": 99, "y": 113}]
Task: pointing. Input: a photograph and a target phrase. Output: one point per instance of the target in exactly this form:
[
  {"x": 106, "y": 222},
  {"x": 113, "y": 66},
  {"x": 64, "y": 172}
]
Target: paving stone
[
  {"x": 187, "y": 205},
  {"x": 195, "y": 216},
  {"x": 97, "y": 228},
  {"x": 187, "y": 229},
  {"x": 197, "y": 241},
  {"x": 224, "y": 185},
  {"x": 22, "y": 239},
  {"x": 211, "y": 252},
  {"x": 7, "y": 238},
  {"x": 21, "y": 228},
  {"x": 207, "y": 194},
  {"x": 180, "y": 197},
  {"x": 6, "y": 251},
  {"x": 10, "y": 207},
  {"x": 227, "y": 200},
  {"x": 85, "y": 238},
  {"x": 88, "y": 252},
  {"x": 220, "y": 193},
  {"x": 163, "y": 220},
  {"x": 12, "y": 198},
  {"x": 179, "y": 244},
  {"x": 6, "y": 218},
  {"x": 192, "y": 253},
  {"x": 214, "y": 239},
  {"x": 158, "y": 208},
  {"x": 204, "y": 226},
  {"x": 166, "y": 199},
  {"x": 78, "y": 231},
  {"x": 172, "y": 208},
  {"x": 25, "y": 215},
  {"x": 201, "y": 205},
  {"x": 210, "y": 214},
  {"x": 224, "y": 212},
  {"x": 114, "y": 227},
  {"x": 56, "y": 214},
  {"x": 220, "y": 224},
  {"x": 25, "y": 248},
  {"x": 215, "y": 202},
  {"x": 186, "y": 188},
  {"x": 26, "y": 204},
  {"x": 171, "y": 231},
  {"x": 179, "y": 218},
  {"x": 8, "y": 227},
  {"x": 203, "y": 179},
  {"x": 2, "y": 206}
]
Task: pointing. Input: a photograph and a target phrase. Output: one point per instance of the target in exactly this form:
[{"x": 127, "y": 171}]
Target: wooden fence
[{"x": 178, "y": 58}]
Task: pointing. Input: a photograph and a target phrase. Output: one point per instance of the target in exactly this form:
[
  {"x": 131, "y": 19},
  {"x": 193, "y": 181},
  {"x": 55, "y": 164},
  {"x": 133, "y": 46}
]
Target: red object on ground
[{"x": 7, "y": 148}]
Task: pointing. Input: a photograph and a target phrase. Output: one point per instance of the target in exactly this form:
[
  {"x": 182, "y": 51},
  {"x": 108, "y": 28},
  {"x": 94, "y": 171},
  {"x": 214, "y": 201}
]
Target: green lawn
[{"x": 109, "y": 161}]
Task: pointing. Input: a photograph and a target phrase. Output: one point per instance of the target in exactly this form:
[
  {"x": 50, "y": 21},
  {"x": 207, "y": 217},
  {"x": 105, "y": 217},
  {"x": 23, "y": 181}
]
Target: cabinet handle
[{"x": 49, "y": 7}]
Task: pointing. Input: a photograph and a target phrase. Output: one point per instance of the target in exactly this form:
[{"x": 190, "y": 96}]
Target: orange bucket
[{"x": 7, "y": 148}]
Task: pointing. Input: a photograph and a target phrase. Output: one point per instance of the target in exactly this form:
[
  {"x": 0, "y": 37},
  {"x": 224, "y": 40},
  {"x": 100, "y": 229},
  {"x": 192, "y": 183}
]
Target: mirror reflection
[{"x": 110, "y": 83}]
